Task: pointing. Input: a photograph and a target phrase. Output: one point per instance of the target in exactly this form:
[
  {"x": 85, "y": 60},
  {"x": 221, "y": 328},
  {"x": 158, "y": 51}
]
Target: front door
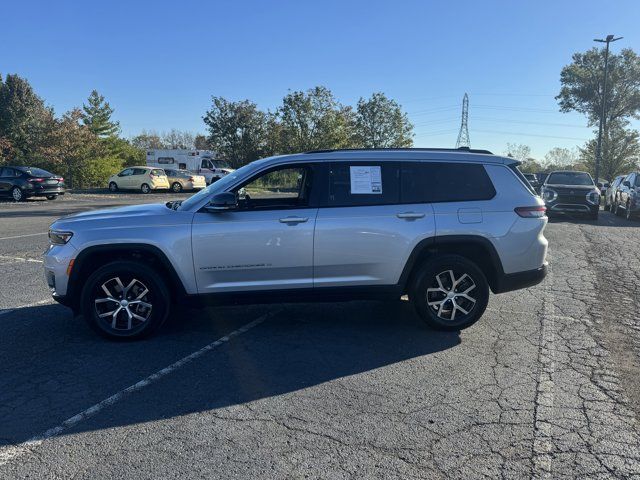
[{"x": 264, "y": 244}]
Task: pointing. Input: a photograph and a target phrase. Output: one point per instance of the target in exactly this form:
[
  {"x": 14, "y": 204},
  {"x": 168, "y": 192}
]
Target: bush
[{"x": 95, "y": 172}]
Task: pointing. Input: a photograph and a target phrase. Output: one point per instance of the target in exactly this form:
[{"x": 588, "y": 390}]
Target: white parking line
[
  {"x": 26, "y": 235},
  {"x": 20, "y": 259},
  {"x": 11, "y": 452},
  {"x": 41, "y": 302}
]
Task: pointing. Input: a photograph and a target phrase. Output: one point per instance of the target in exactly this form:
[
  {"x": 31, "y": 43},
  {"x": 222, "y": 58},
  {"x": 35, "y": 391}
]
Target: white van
[{"x": 202, "y": 162}]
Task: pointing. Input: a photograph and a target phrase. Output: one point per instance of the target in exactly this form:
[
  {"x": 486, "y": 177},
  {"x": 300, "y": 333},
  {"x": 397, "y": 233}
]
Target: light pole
[{"x": 608, "y": 40}]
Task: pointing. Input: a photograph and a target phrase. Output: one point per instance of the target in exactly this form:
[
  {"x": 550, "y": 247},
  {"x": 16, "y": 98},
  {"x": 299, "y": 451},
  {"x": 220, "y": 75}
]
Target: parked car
[
  {"x": 21, "y": 183},
  {"x": 184, "y": 180},
  {"x": 611, "y": 192},
  {"x": 532, "y": 179},
  {"x": 202, "y": 162},
  {"x": 143, "y": 179},
  {"x": 627, "y": 200},
  {"x": 571, "y": 192},
  {"x": 443, "y": 226}
]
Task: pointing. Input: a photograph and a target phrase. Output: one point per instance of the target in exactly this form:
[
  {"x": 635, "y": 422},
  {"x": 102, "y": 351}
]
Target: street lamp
[{"x": 608, "y": 40}]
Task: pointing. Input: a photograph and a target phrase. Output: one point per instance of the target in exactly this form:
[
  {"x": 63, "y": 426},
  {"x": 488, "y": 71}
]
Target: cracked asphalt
[{"x": 545, "y": 385}]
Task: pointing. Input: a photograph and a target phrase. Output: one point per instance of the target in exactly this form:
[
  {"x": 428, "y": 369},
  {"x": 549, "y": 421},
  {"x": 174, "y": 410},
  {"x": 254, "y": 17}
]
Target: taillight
[
  {"x": 36, "y": 180},
  {"x": 531, "y": 212},
  {"x": 191, "y": 179}
]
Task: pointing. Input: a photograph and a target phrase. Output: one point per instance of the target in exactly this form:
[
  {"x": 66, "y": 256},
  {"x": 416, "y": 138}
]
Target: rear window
[
  {"x": 569, "y": 178},
  {"x": 38, "y": 172},
  {"x": 157, "y": 171},
  {"x": 444, "y": 182}
]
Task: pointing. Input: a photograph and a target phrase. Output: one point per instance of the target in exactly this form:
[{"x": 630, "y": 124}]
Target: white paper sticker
[{"x": 366, "y": 180}]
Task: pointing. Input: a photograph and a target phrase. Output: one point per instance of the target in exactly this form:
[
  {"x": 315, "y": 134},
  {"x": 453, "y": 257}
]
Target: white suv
[{"x": 443, "y": 226}]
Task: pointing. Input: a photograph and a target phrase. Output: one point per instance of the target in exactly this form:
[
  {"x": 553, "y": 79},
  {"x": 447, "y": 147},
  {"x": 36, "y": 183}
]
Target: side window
[
  {"x": 206, "y": 164},
  {"x": 126, "y": 172},
  {"x": 139, "y": 171},
  {"x": 281, "y": 188},
  {"x": 444, "y": 182},
  {"x": 165, "y": 160},
  {"x": 6, "y": 172},
  {"x": 353, "y": 184},
  {"x": 637, "y": 181},
  {"x": 182, "y": 166}
]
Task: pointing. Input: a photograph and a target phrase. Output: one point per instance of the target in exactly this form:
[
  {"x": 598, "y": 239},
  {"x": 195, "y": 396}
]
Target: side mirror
[
  {"x": 222, "y": 202},
  {"x": 626, "y": 183}
]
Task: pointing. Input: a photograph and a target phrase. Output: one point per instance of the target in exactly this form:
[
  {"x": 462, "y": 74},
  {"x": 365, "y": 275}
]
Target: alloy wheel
[
  {"x": 450, "y": 295},
  {"x": 17, "y": 194},
  {"x": 123, "y": 307}
]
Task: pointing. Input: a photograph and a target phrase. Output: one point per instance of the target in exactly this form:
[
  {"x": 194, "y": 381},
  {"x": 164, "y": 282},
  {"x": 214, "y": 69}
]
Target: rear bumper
[
  {"x": 41, "y": 192},
  {"x": 515, "y": 281}
]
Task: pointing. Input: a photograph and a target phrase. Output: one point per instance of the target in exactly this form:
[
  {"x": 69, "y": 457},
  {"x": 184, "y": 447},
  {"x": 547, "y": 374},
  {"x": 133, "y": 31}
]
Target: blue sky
[{"x": 158, "y": 63}]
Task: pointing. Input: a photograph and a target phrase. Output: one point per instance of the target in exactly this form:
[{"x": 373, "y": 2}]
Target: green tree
[
  {"x": 581, "y": 86},
  {"x": 177, "y": 139},
  {"x": 200, "y": 142},
  {"x": 518, "y": 151},
  {"x": 236, "y": 130},
  {"x": 620, "y": 152},
  {"x": 314, "y": 120},
  {"x": 380, "y": 123},
  {"x": 24, "y": 119},
  {"x": 148, "y": 140},
  {"x": 97, "y": 116}
]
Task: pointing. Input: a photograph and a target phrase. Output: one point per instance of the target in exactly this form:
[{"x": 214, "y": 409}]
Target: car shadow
[{"x": 55, "y": 366}]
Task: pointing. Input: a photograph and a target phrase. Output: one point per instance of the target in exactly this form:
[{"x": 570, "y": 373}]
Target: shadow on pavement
[{"x": 54, "y": 366}]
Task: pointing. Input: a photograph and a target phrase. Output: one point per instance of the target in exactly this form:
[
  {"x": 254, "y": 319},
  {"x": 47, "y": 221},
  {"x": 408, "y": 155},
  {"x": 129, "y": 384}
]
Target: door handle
[
  {"x": 410, "y": 215},
  {"x": 292, "y": 220}
]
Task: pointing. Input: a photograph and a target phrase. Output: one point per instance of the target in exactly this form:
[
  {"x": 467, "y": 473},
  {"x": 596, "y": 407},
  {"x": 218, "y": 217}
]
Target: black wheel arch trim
[
  {"x": 72, "y": 296},
  {"x": 431, "y": 246}
]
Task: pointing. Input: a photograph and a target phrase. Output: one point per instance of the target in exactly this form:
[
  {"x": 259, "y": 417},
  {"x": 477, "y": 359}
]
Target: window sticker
[{"x": 366, "y": 180}]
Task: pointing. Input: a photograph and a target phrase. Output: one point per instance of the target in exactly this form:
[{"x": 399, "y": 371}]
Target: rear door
[
  {"x": 6, "y": 180},
  {"x": 364, "y": 233},
  {"x": 267, "y": 242}
]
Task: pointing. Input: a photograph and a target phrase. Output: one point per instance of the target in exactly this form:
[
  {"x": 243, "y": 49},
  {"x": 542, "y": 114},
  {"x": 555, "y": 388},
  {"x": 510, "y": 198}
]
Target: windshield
[
  {"x": 570, "y": 178},
  {"x": 219, "y": 186}
]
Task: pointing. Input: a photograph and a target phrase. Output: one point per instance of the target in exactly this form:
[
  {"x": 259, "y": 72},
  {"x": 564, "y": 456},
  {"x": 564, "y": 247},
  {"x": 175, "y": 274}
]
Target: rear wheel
[
  {"x": 144, "y": 188},
  {"x": 17, "y": 194},
  {"x": 52, "y": 197},
  {"x": 176, "y": 187},
  {"x": 113, "y": 187},
  {"x": 450, "y": 292},
  {"x": 125, "y": 300}
]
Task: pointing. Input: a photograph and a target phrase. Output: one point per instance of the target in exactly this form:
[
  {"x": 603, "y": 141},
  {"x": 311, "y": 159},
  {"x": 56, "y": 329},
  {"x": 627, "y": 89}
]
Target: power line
[
  {"x": 530, "y": 135},
  {"x": 529, "y": 123}
]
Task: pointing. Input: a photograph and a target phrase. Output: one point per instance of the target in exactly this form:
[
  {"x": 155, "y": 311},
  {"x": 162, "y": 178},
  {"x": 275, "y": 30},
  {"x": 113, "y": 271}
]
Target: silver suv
[{"x": 443, "y": 226}]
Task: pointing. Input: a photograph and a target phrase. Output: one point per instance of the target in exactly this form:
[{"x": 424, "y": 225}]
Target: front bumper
[
  {"x": 515, "y": 281},
  {"x": 565, "y": 207}
]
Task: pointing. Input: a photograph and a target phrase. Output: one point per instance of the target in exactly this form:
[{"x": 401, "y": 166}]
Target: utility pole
[
  {"x": 463, "y": 136},
  {"x": 608, "y": 40}
]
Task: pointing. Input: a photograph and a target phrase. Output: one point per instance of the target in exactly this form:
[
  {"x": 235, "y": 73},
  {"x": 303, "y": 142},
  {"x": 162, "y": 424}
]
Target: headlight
[
  {"x": 593, "y": 197},
  {"x": 549, "y": 195},
  {"x": 57, "y": 237}
]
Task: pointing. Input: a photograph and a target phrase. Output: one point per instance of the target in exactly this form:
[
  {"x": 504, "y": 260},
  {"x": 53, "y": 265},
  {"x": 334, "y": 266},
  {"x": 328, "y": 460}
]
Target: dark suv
[
  {"x": 20, "y": 183},
  {"x": 627, "y": 196},
  {"x": 571, "y": 192}
]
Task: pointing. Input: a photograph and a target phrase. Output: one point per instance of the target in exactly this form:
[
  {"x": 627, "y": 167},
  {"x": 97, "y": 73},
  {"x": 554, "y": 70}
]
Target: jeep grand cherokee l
[{"x": 443, "y": 226}]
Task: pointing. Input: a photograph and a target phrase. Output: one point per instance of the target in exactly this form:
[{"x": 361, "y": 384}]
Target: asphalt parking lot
[{"x": 547, "y": 384}]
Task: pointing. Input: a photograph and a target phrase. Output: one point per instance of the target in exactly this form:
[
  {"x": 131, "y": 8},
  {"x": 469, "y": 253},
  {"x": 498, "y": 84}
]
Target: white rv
[{"x": 202, "y": 162}]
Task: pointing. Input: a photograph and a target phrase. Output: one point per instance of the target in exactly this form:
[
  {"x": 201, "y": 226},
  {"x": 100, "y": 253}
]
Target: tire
[
  {"x": 145, "y": 188},
  {"x": 616, "y": 209},
  {"x": 628, "y": 214},
  {"x": 113, "y": 187},
  {"x": 52, "y": 197},
  {"x": 469, "y": 279},
  {"x": 151, "y": 309},
  {"x": 176, "y": 187},
  {"x": 606, "y": 207},
  {"x": 17, "y": 194}
]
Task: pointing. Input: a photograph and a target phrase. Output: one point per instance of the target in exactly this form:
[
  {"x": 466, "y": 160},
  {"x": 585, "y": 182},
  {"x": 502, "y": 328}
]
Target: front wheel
[
  {"x": 144, "y": 188},
  {"x": 450, "y": 292},
  {"x": 176, "y": 187},
  {"x": 17, "y": 194},
  {"x": 113, "y": 187},
  {"x": 125, "y": 300},
  {"x": 52, "y": 197}
]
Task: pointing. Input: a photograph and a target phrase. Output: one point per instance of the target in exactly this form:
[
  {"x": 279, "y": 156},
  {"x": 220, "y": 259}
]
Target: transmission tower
[{"x": 463, "y": 136}]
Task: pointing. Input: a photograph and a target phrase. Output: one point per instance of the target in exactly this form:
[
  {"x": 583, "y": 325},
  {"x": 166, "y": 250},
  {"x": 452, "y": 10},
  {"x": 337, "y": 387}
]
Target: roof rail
[{"x": 460, "y": 149}]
